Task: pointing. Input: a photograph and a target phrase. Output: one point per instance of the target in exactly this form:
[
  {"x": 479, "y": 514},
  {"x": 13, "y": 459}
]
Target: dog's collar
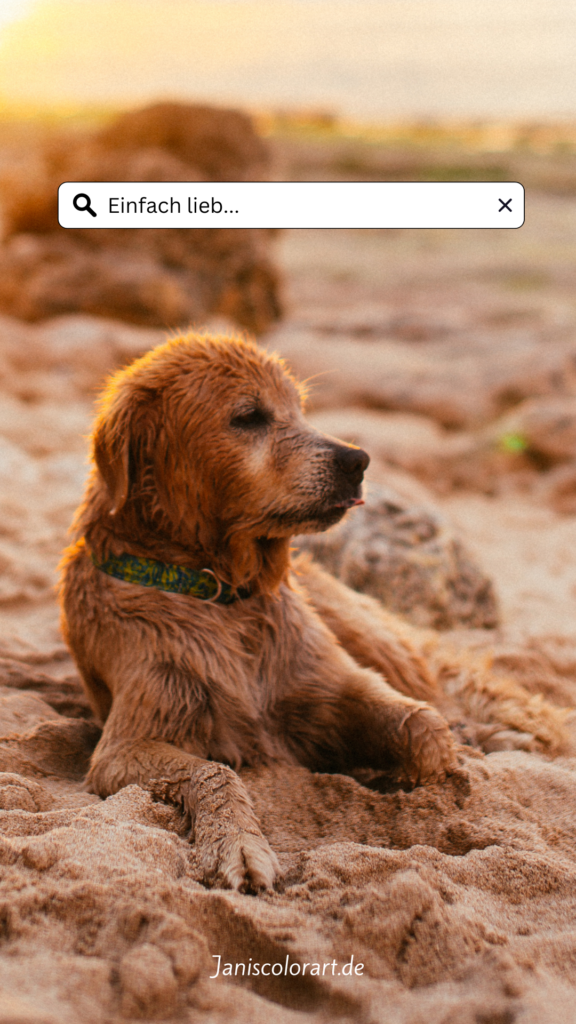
[{"x": 147, "y": 572}]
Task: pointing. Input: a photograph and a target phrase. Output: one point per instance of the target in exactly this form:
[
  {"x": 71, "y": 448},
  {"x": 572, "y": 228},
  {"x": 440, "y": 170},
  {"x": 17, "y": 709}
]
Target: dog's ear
[{"x": 111, "y": 448}]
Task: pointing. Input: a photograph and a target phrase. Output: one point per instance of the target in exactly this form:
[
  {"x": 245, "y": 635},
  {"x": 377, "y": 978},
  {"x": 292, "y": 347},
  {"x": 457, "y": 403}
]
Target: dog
[{"x": 203, "y": 648}]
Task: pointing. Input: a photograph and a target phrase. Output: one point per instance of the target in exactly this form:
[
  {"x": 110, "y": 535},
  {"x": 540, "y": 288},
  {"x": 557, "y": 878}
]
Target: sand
[{"x": 457, "y": 900}]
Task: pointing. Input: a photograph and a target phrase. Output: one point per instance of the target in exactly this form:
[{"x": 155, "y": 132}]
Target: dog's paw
[
  {"x": 429, "y": 746},
  {"x": 492, "y": 739},
  {"x": 244, "y": 861}
]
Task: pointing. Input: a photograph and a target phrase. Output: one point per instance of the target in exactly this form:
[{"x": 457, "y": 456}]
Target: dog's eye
[{"x": 250, "y": 419}]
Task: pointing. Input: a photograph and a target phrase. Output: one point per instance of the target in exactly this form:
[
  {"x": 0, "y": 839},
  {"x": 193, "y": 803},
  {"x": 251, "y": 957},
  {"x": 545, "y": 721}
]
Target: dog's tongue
[{"x": 350, "y": 503}]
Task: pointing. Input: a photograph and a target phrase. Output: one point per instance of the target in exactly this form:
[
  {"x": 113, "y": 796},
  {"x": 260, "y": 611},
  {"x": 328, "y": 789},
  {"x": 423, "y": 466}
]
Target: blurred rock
[
  {"x": 61, "y": 360},
  {"x": 464, "y": 381},
  {"x": 409, "y": 558},
  {"x": 546, "y": 427},
  {"x": 558, "y": 488},
  {"x": 222, "y": 144},
  {"x": 407, "y": 441},
  {"x": 488, "y": 460},
  {"x": 404, "y": 439},
  {"x": 161, "y": 277}
]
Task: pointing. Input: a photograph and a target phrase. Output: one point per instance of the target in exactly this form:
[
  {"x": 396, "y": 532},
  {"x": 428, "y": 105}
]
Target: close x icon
[{"x": 505, "y": 205}]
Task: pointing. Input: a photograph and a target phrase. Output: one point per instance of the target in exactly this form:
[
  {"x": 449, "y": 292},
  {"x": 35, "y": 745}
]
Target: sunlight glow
[
  {"x": 14, "y": 10},
  {"x": 374, "y": 57}
]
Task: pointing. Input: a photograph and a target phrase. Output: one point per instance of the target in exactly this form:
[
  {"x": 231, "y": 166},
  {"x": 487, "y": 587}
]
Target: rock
[
  {"x": 58, "y": 362},
  {"x": 558, "y": 488},
  {"x": 159, "y": 277},
  {"x": 222, "y": 144},
  {"x": 464, "y": 381},
  {"x": 403, "y": 439},
  {"x": 545, "y": 427},
  {"x": 489, "y": 460},
  {"x": 444, "y": 460},
  {"x": 409, "y": 558}
]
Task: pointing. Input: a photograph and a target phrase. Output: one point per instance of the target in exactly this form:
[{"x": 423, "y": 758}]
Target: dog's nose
[{"x": 352, "y": 461}]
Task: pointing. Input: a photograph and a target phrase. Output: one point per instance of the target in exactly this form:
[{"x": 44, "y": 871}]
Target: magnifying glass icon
[{"x": 87, "y": 205}]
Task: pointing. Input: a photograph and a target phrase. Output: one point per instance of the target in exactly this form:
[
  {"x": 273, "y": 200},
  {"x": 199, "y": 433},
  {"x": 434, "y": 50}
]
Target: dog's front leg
[
  {"x": 382, "y": 727},
  {"x": 373, "y": 636},
  {"x": 343, "y": 717},
  {"x": 233, "y": 852}
]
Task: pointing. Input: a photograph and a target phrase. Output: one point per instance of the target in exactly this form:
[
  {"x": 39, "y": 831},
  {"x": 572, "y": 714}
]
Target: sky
[{"x": 364, "y": 58}]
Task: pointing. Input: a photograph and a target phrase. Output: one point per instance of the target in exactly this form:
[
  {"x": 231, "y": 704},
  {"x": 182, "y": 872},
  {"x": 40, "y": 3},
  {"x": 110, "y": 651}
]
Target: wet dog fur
[{"x": 202, "y": 458}]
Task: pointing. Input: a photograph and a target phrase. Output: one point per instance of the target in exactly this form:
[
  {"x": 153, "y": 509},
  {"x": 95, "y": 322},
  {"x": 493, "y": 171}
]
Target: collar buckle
[{"x": 212, "y": 600}]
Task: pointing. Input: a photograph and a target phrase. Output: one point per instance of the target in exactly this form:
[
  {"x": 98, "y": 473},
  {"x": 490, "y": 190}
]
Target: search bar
[{"x": 283, "y": 204}]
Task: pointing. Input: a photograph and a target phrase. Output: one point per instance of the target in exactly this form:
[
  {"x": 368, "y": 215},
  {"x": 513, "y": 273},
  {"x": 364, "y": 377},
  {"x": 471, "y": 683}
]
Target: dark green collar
[{"x": 147, "y": 572}]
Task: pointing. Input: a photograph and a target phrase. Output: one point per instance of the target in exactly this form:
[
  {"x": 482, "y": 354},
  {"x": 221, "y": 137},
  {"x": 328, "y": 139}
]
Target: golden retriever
[{"x": 204, "y": 468}]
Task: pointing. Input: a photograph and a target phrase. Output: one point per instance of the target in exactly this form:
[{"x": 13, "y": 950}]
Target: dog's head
[{"x": 203, "y": 443}]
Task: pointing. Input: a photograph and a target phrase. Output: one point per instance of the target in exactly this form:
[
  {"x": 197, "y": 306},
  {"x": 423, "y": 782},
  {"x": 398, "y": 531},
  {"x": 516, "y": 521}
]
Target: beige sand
[{"x": 458, "y": 900}]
